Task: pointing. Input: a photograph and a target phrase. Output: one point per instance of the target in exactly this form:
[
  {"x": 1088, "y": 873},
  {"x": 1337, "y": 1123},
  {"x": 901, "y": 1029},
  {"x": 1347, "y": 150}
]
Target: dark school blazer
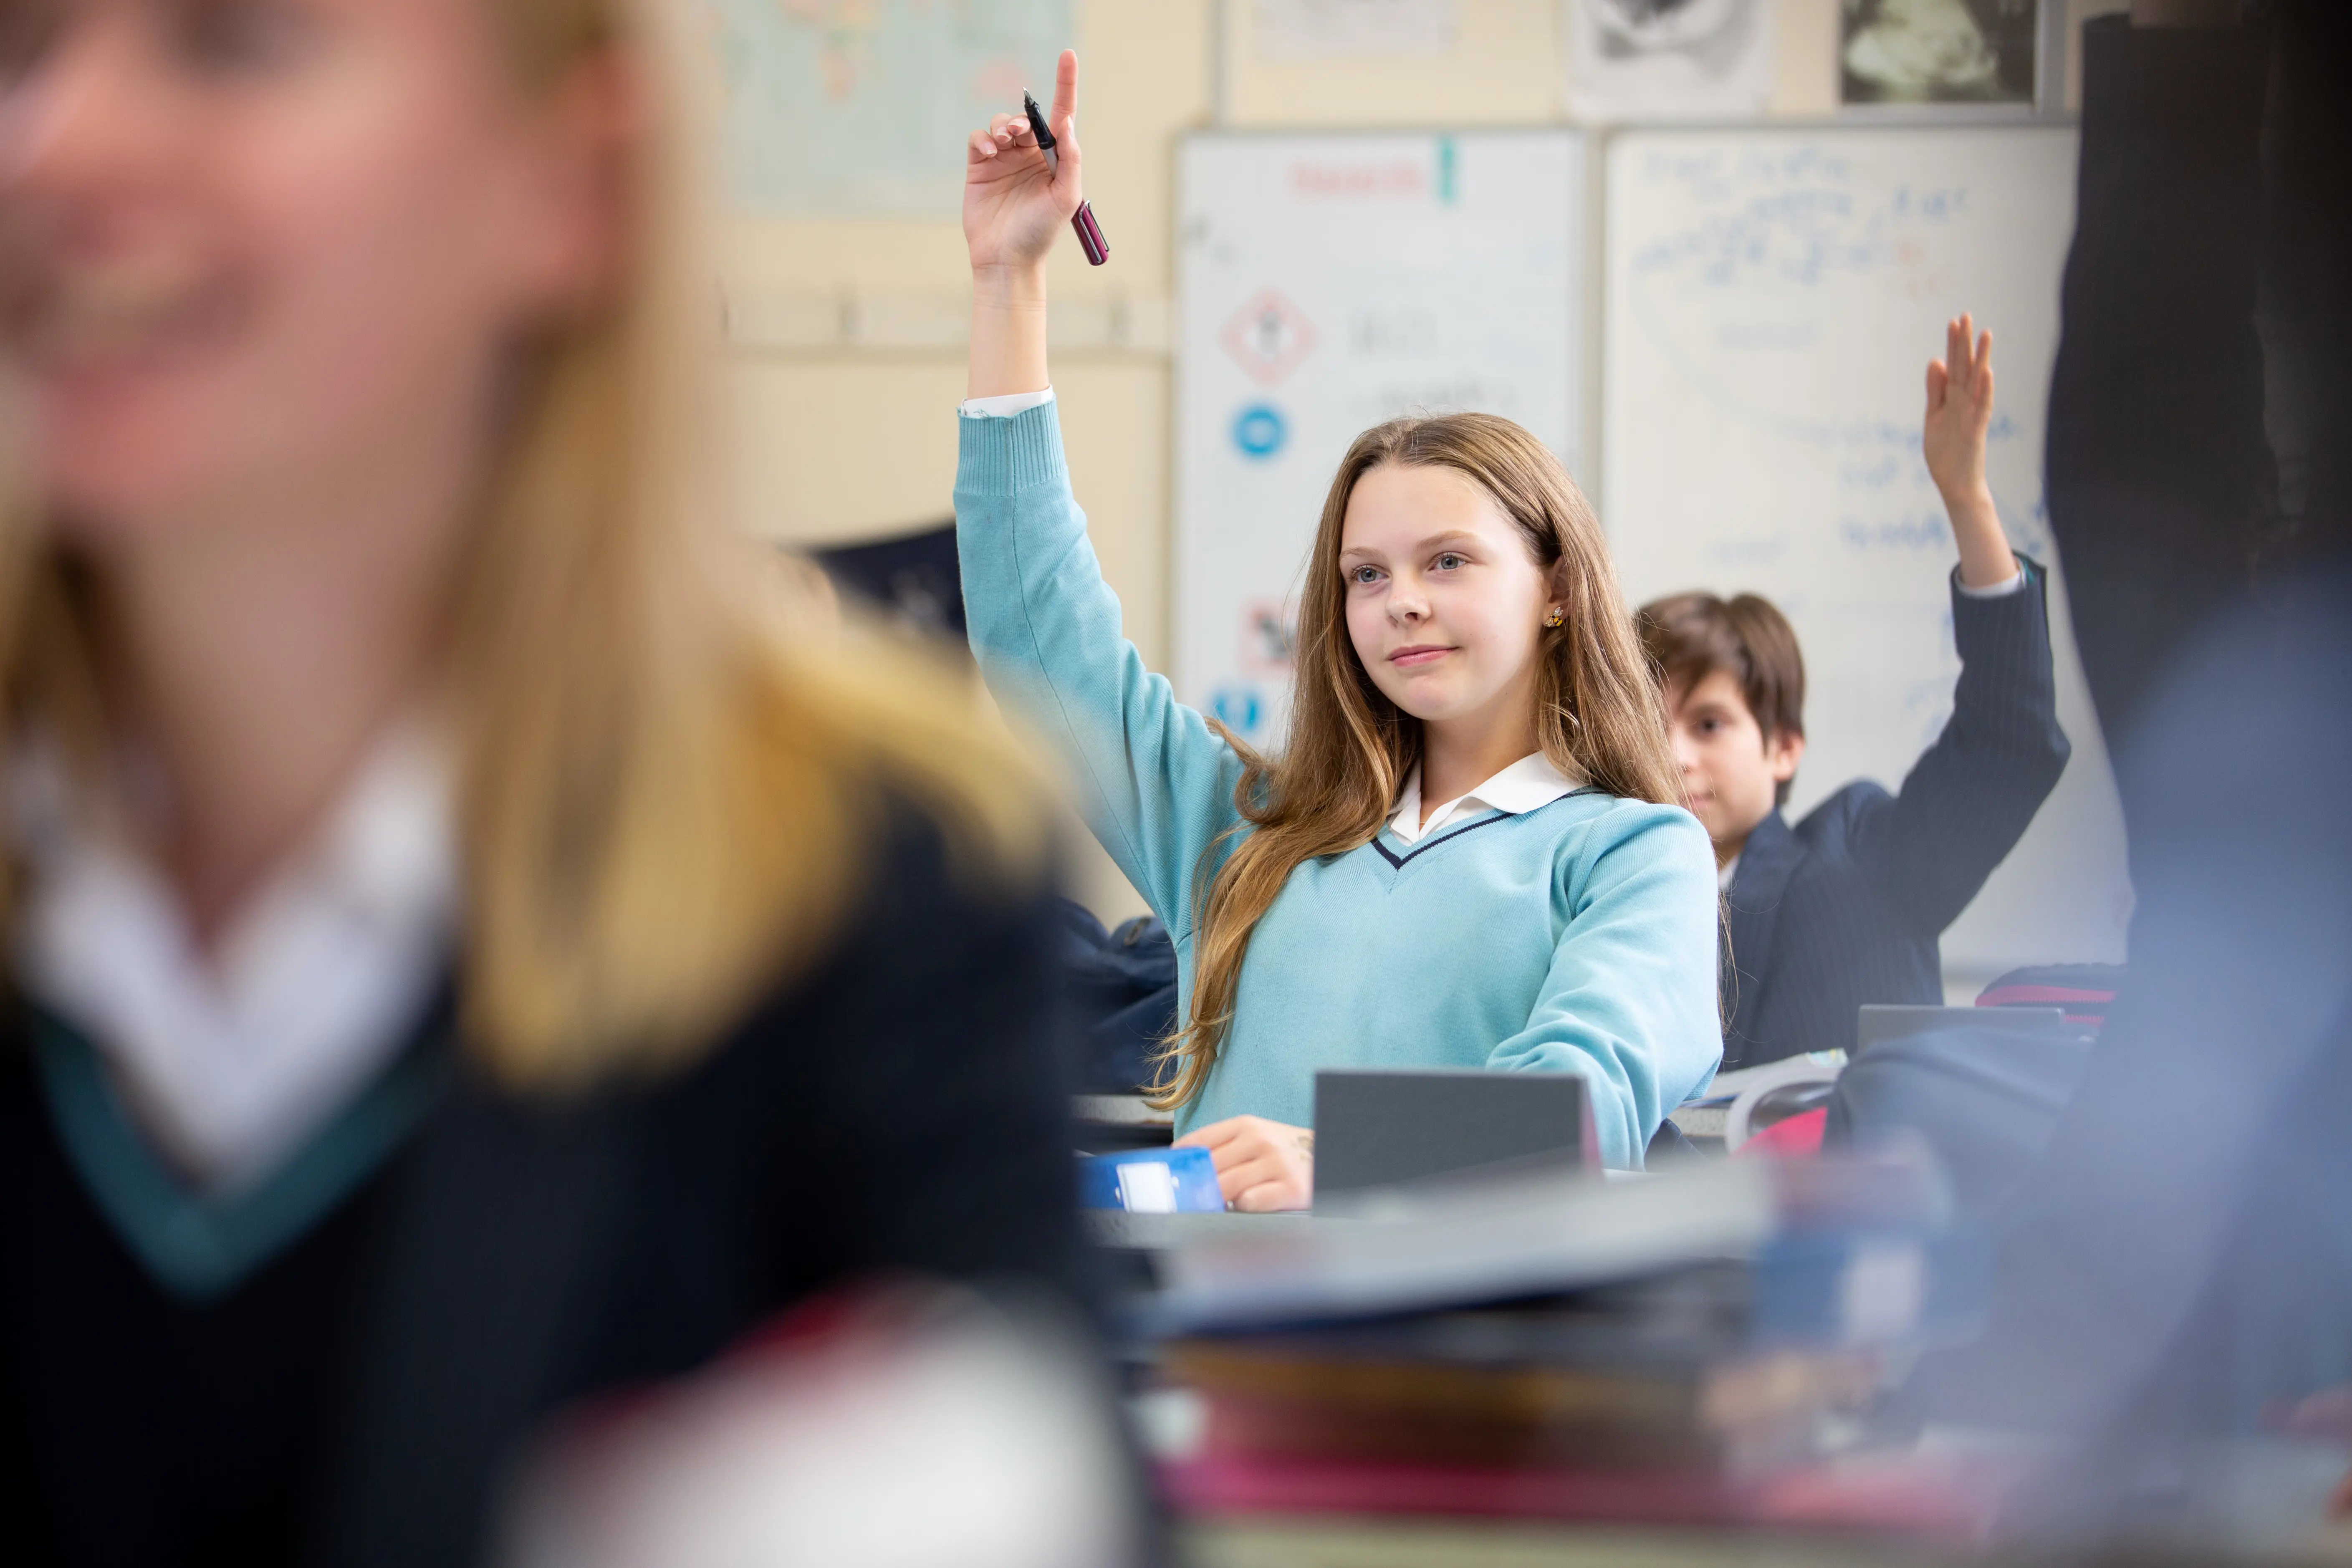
[
  {"x": 1846, "y": 906},
  {"x": 353, "y": 1397}
]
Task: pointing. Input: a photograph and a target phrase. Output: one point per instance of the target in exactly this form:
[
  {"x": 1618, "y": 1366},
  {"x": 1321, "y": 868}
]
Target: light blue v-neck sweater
[{"x": 1580, "y": 937}]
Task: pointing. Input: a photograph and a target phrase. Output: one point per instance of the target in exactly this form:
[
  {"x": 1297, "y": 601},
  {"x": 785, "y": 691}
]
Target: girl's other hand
[
  {"x": 1261, "y": 1165},
  {"x": 1014, "y": 207},
  {"x": 1959, "y": 412}
]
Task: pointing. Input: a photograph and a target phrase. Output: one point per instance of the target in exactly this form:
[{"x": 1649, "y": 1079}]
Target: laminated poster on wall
[
  {"x": 1328, "y": 281},
  {"x": 1667, "y": 59}
]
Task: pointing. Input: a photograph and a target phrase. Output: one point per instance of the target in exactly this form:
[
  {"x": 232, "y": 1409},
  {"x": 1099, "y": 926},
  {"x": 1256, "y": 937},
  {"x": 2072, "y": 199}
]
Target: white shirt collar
[
  {"x": 1529, "y": 782},
  {"x": 231, "y": 1058},
  {"x": 1725, "y": 873}
]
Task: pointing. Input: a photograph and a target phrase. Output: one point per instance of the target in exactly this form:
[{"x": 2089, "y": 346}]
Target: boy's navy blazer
[{"x": 1846, "y": 906}]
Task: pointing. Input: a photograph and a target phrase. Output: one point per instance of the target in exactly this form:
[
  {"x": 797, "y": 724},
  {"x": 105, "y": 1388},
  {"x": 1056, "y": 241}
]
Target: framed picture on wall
[
  {"x": 1667, "y": 59},
  {"x": 1937, "y": 51}
]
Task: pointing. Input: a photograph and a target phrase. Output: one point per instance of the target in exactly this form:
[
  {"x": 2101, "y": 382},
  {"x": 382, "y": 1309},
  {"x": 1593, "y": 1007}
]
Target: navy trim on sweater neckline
[{"x": 1394, "y": 858}]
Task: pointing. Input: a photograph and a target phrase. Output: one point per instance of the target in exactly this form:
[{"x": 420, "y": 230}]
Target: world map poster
[{"x": 861, "y": 106}]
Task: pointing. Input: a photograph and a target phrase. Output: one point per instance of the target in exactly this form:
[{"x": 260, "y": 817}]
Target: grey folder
[{"x": 1380, "y": 1129}]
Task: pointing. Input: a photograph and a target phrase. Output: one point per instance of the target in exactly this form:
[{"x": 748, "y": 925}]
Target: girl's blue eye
[
  {"x": 1364, "y": 575},
  {"x": 1449, "y": 561}
]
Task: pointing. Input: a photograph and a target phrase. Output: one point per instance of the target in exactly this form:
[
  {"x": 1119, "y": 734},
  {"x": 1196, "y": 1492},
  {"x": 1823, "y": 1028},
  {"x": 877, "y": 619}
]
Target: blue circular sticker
[
  {"x": 1260, "y": 430},
  {"x": 1237, "y": 708}
]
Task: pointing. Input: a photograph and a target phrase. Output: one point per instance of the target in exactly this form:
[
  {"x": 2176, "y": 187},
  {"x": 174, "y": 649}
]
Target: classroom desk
[
  {"x": 1161, "y": 1232},
  {"x": 1132, "y": 1244},
  {"x": 2250, "y": 1501},
  {"x": 1355, "y": 1543},
  {"x": 1345, "y": 1543}
]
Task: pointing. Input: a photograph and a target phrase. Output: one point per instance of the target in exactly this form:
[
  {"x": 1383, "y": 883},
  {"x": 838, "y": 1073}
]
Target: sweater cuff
[{"x": 999, "y": 456}]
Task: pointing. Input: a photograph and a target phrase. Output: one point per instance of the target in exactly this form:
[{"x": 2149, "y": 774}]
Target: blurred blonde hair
[
  {"x": 672, "y": 774},
  {"x": 1598, "y": 715}
]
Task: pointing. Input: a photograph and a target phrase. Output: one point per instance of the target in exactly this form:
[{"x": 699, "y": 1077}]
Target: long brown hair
[
  {"x": 1598, "y": 714},
  {"x": 669, "y": 782}
]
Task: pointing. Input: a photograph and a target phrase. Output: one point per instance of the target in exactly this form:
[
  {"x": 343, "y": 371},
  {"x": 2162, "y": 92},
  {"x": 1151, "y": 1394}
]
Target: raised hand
[
  {"x": 1959, "y": 411},
  {"x": 1014, "y": 204}
]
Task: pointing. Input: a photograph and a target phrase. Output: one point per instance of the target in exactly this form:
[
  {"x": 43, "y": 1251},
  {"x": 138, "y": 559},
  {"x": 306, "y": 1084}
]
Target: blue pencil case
[{"x": 1151, "y": 1181}]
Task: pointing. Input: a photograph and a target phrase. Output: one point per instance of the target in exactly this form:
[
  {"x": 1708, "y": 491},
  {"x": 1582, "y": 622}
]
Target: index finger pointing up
[{"x": 1065, "y": 94}]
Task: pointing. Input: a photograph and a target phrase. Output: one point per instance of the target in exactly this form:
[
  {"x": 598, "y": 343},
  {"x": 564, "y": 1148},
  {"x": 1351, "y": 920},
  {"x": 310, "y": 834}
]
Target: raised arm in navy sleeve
[{"x": 1970, "y": 798}]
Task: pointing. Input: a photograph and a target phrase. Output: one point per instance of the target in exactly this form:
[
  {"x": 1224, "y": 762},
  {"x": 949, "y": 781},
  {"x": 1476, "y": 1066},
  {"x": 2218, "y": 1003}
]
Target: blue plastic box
[{"x": 1151, "y": 1181}]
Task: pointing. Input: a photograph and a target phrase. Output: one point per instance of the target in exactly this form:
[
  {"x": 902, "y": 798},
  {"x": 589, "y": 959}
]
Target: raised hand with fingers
[
  {"x": 1960, "y": 410},
  {"x": 1952, "y": 439},
  {"x": 1014, "y": 201}
]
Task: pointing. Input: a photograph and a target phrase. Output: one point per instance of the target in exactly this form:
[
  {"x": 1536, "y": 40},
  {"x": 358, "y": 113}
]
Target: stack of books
[{"x": 1683, "y": 1348}]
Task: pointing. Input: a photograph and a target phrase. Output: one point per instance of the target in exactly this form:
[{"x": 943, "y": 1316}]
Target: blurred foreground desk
[
  {"x": 1122, "y": 1231},
  {"x": 1475, "y": 1543},
  {"x": 1586, "y": 1372},
  {"x": 1346, "y": 1543},
  {"x": 1133, "y": 1244}
]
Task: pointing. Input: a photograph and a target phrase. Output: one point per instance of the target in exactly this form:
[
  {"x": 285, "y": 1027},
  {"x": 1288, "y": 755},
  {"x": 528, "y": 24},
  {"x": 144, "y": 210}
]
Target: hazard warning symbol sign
[{"x": 1268, "y": 336}]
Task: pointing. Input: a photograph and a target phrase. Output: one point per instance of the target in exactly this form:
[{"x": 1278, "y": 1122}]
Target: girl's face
[
  {"x": 268, "y": 247},
  {"x": 1445, "y": 607}
]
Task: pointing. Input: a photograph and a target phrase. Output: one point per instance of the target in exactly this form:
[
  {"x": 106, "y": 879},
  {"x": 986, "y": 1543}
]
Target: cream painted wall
[
  {"x": 872, "y": 435},
  {"x": 850, "y": 355},
  {"x": 849, "y": 441},
  {"x": 1505, "y": 69}
]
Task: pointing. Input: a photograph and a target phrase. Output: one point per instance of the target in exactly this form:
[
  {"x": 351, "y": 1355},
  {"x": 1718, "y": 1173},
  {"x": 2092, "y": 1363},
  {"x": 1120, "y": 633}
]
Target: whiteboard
[
  {"x": 1771, "y": 298},
  {"x": 1328, "y": 281}
]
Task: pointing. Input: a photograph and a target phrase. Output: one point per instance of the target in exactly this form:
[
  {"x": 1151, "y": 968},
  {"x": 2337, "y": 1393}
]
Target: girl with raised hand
[{"x": 1469, "y": 853}]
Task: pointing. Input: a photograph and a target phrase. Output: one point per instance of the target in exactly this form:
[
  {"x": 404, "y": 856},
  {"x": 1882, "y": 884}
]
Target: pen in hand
[{"x": 1090, "y": 234}]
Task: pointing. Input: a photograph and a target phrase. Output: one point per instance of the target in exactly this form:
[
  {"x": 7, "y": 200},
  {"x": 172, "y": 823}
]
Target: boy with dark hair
[{"x": 1847, "y": 906}]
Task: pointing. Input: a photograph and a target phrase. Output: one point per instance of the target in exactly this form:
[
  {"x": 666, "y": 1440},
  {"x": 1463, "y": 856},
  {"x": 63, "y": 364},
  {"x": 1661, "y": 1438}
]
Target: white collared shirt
[
  {"x": 2012, "y": 584},
  {"x": 1004, "y": 405},
  {"x": 230, "y": 1058},
  {"x": 1526, "y": 785}
]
